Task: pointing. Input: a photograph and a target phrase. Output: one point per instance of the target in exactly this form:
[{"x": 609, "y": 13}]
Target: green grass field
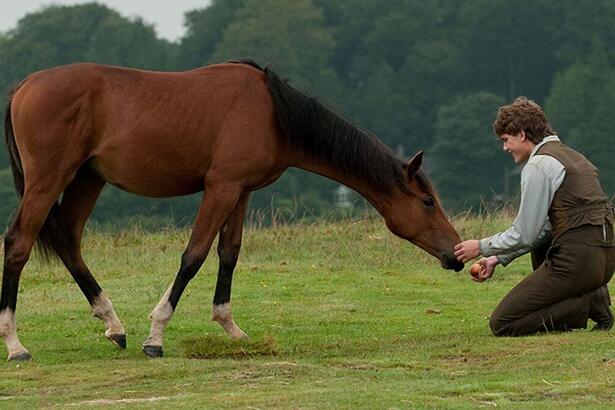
[{"x": 341, "y": 315}]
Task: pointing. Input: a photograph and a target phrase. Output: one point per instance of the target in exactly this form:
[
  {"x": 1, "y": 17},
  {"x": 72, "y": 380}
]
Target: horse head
[{"x": 415, "y": 213}]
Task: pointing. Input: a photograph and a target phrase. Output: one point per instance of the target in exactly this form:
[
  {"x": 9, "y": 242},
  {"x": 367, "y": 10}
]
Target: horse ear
[{"x": 414, "y": 165}]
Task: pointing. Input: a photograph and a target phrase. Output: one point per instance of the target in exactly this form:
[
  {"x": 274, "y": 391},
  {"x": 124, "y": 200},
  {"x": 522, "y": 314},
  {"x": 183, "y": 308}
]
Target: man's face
[{"x": 519, "y": 146}]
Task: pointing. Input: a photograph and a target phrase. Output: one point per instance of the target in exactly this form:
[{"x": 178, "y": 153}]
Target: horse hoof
[
  {"x": 153, "y": 351},
  {"x": 118, "y": 339},
  {"x": 21, "y": 357},
  {"x": 239, "y": 336}
]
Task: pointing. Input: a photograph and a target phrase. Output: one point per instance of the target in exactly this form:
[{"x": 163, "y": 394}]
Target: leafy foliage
[
  {"x": 581, "y": 102},
  {"x": 204, "y": 30},
  {"x": 421, "y": 75},
  {"x": 468, "y": 162},
  {"x": 260, "y": 25}
]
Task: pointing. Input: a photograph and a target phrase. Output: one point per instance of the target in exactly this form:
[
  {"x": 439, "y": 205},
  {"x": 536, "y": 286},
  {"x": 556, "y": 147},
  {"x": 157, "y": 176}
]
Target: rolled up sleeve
[{"x": 537, "y": 192}]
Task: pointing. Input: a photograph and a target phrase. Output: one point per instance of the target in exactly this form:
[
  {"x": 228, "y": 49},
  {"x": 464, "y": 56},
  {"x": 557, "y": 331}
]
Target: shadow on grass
[{"x": 221, "y": 347}]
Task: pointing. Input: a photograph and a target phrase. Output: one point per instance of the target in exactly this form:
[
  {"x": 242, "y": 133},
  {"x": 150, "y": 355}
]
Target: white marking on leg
[
  {"x": 160, "y": 316},
  {"x": 8, "y": 331},
  {"x": 222, "y": 314},
  {"x": 102, "y": 308}
]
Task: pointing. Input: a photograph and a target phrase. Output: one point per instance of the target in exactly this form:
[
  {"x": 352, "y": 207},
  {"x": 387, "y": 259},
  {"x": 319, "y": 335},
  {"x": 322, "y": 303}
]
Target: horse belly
[{"x": 146, "y": 179}]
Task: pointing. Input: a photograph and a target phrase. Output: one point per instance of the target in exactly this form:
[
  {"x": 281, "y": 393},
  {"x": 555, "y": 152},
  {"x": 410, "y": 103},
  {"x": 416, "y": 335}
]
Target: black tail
[
  {"x": 53, "y": 235},
  {"x": 9, "y": 138}
]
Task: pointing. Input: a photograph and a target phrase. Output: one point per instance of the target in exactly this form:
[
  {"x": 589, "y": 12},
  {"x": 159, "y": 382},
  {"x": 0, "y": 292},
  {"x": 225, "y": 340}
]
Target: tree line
[{"x": 419, "y": 74}]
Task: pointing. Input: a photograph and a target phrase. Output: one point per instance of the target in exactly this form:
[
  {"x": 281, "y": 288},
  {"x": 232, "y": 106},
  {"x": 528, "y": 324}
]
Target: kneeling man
[{"x": 564, "y": 219}]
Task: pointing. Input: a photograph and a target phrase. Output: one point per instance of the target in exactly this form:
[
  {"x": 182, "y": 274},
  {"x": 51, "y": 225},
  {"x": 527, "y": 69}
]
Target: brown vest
[{"x": 580, "y": 199}]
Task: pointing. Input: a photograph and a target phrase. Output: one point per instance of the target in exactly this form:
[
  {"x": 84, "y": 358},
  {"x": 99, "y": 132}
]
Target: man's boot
[{"x": 599, "y": 310}]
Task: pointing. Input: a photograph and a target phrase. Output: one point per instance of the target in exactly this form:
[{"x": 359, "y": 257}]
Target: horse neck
[{"x": 379, "y": 198}]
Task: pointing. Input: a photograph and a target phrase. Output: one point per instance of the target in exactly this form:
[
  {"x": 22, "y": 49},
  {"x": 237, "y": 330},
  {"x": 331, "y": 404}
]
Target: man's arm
[{"x": 540, "y": 180}]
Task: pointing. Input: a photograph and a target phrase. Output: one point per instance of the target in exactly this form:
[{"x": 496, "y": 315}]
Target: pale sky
[{"x": 166, "y": 16}]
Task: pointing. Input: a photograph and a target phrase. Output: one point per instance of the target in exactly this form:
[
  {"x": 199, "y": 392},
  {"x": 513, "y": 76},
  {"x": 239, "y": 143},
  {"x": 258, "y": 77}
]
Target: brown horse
[{"x": 225, "y": 129}]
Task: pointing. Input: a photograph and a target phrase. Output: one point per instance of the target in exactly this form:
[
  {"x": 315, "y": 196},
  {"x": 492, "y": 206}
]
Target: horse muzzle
[{"x": 450, "y": 262}]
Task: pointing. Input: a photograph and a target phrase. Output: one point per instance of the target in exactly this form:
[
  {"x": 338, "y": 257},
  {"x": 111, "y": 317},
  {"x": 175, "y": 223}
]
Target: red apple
[{"x": 475, "y": 270}]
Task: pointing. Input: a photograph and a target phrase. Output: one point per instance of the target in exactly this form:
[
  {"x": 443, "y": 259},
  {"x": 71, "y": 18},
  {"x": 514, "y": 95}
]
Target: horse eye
[{"x": 429, "y": 202}]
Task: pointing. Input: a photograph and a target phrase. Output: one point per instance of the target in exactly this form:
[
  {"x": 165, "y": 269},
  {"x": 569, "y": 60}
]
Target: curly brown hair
[{"x": 523, "y": 115}]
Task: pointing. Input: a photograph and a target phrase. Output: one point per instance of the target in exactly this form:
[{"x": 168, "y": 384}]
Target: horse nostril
[{"x": 450, "y": 262}]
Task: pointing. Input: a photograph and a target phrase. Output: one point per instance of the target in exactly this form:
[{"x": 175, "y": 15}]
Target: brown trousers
[{"x": 556, "y": 295}]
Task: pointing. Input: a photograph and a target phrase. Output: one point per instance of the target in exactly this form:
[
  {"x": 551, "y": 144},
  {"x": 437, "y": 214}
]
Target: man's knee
[{"x": 498, "y": 325}]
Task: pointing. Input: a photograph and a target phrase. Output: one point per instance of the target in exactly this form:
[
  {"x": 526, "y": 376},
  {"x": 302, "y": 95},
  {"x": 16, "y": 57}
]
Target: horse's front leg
[
  {"x": 229, "y": 244},
  {"x": 218, "y": 202}
]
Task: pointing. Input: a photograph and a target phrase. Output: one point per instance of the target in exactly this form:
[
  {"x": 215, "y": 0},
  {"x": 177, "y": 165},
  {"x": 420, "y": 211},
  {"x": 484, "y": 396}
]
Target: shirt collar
[{"x": 550, "y": 138}]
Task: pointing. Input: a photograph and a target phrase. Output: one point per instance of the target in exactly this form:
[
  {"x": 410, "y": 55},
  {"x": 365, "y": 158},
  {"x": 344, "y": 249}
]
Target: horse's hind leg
[
  {"x": 229, "y": 244},
  {"x": 39, "y": 196},
  {"x": 77, "y": 204},
  {"x": 218, "y": 202}
]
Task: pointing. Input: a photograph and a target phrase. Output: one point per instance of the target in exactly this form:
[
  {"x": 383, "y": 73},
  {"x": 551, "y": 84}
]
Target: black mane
[{"x": 316, "y": 130}]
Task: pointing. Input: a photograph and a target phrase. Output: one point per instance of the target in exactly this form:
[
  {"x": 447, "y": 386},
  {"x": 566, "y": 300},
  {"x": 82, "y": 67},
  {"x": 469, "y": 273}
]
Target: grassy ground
[{"x": 340, "y": 315}]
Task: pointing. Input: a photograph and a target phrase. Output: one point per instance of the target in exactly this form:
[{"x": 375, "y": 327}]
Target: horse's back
[{"x": 153, "y": 133}]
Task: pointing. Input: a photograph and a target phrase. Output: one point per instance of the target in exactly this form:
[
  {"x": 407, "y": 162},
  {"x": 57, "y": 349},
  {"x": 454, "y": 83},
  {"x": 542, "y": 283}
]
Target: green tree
[
  {"x": 298, "y": 194},
  {"x": 53, "y": 36},
  {"x": 424, "y": 74},
  {"x": 292, "y": 38},
  {"x": 583, "y": 24},
  {"x": 204, "y": 30},
  {"x": 572, "y": 99},
  {"x": 579, "y": 107},
  {"x": 509, "y": 48},
  {"x": 596, "y": 141},
  {"x": 129, "y": 43},
  {"x": 120, "y": 207},
  {"x": 60, "y": 35},
  {"x": 349, "y": 21},
  {"x": 379, "y": 106},
  {"x": 401, "y": 66},
  {"x": 467, "y": 163}
]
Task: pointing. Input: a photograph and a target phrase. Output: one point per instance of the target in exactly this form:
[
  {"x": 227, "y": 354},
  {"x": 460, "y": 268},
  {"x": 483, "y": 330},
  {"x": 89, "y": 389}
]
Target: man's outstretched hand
[
  {"x": 488, "y": 268},
  {"x": 467, "y": 250}
]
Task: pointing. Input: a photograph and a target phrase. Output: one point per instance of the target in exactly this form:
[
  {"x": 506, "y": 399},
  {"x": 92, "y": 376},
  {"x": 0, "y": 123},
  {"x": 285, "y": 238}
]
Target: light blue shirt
[{"x": 541, "y": 177}]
